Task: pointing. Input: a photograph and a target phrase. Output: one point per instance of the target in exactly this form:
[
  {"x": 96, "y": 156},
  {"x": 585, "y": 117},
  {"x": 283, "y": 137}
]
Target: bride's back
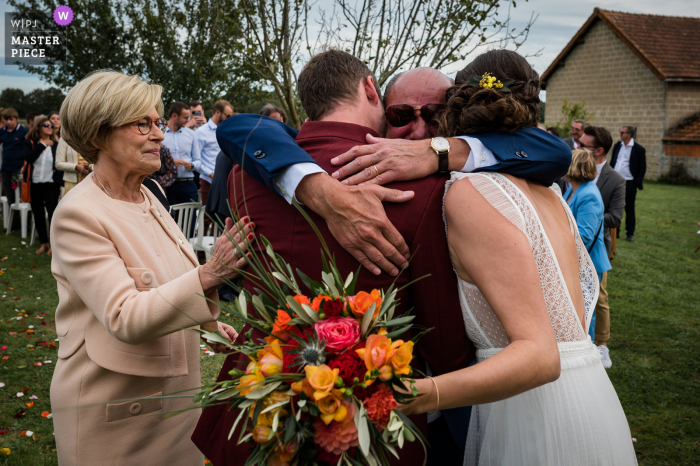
[{"x": 556, "y": 225}]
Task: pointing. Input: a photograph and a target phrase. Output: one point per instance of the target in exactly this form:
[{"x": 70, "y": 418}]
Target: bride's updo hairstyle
[{"x": 472, "y": 109}]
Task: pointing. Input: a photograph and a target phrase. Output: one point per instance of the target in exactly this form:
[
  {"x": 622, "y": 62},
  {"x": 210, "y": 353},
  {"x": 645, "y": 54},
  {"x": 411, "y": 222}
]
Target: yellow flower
[
  {"x": 499, "y": 84},
  {"x": 265, "y": 419},
  {"x": 261, "y": 434},
  {"x": 5, "y": 451},
  {"x": 331, "y": 407},
  {"x": 252, "y": 378},
  {"x": 401, "y": 362},
  {"x": 322, "y": 379}
]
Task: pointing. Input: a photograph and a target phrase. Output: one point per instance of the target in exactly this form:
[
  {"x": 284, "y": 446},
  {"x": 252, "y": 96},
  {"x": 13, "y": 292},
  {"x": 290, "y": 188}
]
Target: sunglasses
[
  {"x": 47, "y": 125},
  {"x": 403, "y": 114}
]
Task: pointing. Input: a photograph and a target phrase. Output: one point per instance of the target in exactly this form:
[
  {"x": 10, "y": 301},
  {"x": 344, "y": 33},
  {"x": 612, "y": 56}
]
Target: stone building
[{"x": 636, "y": 69}]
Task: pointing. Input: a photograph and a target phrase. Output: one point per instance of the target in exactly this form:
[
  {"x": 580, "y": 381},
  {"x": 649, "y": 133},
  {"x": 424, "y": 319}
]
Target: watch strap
[{"x": 443, "y": 162}]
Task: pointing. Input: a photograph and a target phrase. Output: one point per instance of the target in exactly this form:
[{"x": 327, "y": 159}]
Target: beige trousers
[{"x": 602, "y": 312}]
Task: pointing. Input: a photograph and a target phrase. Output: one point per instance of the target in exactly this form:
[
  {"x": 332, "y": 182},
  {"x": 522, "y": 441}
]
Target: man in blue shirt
[
  {"x": 181, "y": 142},
  {"x": 209, "y": 147},
  {"x": 12, "y": 140}
]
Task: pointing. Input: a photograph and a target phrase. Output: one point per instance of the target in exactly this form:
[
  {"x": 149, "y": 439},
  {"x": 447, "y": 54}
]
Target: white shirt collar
[
  {"x": 630, "y": 144},
  {"x": 601, "y": 165},
  {"x": 211, "y": 124}
]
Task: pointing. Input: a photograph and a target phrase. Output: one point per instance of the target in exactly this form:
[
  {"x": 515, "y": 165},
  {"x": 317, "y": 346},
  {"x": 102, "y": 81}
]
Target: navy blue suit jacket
[{"x": 265, "y": 147}]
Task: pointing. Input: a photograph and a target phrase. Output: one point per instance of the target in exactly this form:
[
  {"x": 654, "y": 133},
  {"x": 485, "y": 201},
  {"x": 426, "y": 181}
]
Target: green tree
[
  {"x": 389, "y": 35},
  {"x": 13, "y": 98},
  {"x": 177, "y": 44},
  {"x": 571, "y": 112},
  {"x": 44, "y": 101}
]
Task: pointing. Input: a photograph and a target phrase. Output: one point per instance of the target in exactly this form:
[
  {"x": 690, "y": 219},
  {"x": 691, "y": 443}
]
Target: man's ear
[{"x": 370, "y": 90}]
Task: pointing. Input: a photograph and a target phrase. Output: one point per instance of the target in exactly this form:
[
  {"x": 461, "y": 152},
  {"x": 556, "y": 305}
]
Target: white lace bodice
[{"x": 483, "y": 326}]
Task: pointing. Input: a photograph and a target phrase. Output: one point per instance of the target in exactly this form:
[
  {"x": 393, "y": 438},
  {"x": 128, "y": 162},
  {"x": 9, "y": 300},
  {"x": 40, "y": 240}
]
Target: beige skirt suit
[{"x": 128, "y": 285}]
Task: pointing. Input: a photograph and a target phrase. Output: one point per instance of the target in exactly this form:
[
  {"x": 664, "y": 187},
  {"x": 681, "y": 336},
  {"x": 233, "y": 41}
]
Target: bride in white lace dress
[{"x": 528, "y": 290}]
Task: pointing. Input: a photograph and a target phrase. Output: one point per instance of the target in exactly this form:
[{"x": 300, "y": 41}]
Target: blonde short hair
[
  {"x": 582, "y": 166},
  {"x": 99, "y": 104}
]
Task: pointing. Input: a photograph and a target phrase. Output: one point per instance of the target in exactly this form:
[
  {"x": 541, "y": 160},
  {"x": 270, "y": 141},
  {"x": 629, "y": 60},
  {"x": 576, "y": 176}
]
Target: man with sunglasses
[
  {"x": 181, "y": 142},
  {"x": 209, "y": 147}
]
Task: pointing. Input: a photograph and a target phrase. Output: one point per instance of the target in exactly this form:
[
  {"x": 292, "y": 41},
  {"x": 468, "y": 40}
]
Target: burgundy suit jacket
[{"x": 434, "y": 300}]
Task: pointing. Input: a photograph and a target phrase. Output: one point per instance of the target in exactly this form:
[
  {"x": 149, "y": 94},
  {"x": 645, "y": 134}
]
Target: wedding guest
[
  {"x": 74, "y": 167},
  {"x": 587, "y": 206},
  {"x": 629, "y": 159},
  {"x": 576, "y": 132},
  {"x": 55, "y": 119},
  {"x": 46, "y": 180},
  {"x": 129, "y": 285},
  {"x": 30, "y": 120},
  {"x": 205, "y": 139},
  {"x": 273, "y": 112},
  {"x": 553, "y": 130},
  {"x": 198, "y": 119},
  {"x": 612, "y": 190},
  {"x": 185, "y": 153},
  {"x": 12, "y": 140}
]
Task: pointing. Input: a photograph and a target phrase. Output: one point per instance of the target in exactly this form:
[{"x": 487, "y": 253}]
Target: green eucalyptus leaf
[
  {"x": 243, "y": 305},
  {"x": 313, "y": 315},
  {"x": 367, "y": 319}
]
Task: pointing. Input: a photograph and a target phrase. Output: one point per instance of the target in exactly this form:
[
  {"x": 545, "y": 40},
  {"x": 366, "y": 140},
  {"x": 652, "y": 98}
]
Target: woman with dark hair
[
  {"x": 55, "y": 120},
  {"x": 40, "y": 155},
  {"x": 528, "y": 289}
]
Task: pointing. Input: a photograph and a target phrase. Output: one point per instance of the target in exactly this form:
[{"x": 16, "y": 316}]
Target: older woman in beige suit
[{"x": 129, "y": 284}]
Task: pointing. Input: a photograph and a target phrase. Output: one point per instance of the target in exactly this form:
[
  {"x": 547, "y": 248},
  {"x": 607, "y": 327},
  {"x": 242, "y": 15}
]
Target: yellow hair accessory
[{"x": 488, "y": 81}]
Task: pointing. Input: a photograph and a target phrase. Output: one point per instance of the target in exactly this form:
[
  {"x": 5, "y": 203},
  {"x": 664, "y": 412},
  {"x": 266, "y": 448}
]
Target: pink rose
[{"x": 338, "y": 332}]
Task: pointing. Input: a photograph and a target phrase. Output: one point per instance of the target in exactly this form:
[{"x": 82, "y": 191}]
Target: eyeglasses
[
  {"x": 146, "y": 123},
  {"x": 226, "y": 115},
  {"x": 403, "y": 114},
  {"x": 588, "y": 148},
  {"x": 47, "y": 125},
  {"x": 625, "y": 132}
]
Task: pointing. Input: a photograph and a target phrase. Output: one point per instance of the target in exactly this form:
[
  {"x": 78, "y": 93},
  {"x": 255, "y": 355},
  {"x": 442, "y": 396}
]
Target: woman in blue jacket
[{"x": 587, "y": 206}]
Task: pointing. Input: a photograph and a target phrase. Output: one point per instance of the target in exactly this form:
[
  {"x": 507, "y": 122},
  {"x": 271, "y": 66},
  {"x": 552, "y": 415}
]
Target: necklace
[{"x": 107, "y": 191}]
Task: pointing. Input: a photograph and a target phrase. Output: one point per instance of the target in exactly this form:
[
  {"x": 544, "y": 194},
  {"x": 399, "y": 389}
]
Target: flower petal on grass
[
  {"x": 33, "y": 397},
  {"x": 20, "y": 394},
  {"x": 3, "y": 348},
  {"x": 2, "y": 384},
  {"x": 45, "y": 414},
  {"x": 30, "y": 404},
  {"x": 37, "y": 364}
]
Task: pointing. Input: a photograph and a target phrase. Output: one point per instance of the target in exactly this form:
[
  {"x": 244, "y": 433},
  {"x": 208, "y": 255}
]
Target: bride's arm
[{"x": 492, "y": 253}]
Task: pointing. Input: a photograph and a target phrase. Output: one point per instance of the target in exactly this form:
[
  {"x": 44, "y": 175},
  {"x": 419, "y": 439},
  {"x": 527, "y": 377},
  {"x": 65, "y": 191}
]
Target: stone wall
[
  {"x": 681, "y": 160},
  {"x": 617, "y": 87}
]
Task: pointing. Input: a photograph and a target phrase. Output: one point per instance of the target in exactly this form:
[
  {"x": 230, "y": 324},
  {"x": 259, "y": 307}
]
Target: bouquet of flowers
[{"x": 323, "y": 385}]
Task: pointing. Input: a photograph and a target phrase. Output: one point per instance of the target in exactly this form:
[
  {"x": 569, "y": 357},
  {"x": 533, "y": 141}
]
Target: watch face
[{"x": 440, "y": 144}]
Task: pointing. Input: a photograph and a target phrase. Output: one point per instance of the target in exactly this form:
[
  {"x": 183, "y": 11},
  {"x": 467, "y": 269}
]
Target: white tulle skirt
[{"x": 576, "y": 420}]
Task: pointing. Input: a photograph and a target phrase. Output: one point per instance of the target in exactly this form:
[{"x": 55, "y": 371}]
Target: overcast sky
[{"x": 558, "y": 21}]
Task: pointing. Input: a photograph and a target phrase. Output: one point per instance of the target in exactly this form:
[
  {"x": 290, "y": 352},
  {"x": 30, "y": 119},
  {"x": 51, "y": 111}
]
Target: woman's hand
[
  {"x": 228, "y": 256},
  {"x": 83, "y": 168},
  {"x": 424, "y": 403},
  {"x": 226, "y": 330}
]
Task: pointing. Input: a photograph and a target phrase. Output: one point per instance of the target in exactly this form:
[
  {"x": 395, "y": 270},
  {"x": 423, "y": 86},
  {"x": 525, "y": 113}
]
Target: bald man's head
[{"x": 416, "y": 88}]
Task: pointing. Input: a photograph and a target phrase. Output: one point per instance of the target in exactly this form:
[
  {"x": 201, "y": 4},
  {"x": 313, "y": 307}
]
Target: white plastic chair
[
  {"x": 24, "y": 209},
  {"x": 186, "y": 213},
  {"x": 5, "y": 211},
  {"x": 205, "y": 242}
]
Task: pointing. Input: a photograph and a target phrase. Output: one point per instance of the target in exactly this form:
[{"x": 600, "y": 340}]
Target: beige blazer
[
  {"x": 66, "y": 160},
  {"x": 128, "y": 284}
]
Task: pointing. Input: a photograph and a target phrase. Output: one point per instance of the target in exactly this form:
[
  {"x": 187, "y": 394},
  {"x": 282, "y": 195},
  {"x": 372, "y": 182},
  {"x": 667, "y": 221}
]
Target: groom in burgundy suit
[{"x": 344, "y": 104}]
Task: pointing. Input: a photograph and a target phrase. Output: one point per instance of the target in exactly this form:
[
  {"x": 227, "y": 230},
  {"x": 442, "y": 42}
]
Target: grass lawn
[{"x": 655, "y": 345}]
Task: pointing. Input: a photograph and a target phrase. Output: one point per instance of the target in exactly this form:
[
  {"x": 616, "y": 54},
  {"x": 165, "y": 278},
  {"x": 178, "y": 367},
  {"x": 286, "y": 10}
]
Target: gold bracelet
[{"x": 437, "y": 407}]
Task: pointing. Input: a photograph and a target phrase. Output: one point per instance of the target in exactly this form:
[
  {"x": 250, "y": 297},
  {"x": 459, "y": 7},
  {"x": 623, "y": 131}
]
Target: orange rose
[
  {"x": 301, "y": 299},
  {"x": 251, "y": 380},
  {"x": 281, "y": 327},
  {"x": 270, "y": 358},
  {"x": 316, "y": 303},
  {"x": 378, "y": 354},
  {"x": 322, "y": 379},
  {"x": 401, "y": 362},
  {"x": 303, "y": 386},
  {"x": 363, "y": 301},
  {"x": 331, "y": 408}
]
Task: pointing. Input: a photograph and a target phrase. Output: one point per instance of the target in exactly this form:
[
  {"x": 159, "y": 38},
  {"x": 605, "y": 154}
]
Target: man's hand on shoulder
[
  {"x": 383, "y": 161},
  {"x": 357, "y": 220}
]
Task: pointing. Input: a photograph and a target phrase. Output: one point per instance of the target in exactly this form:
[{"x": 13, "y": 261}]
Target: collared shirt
[
  {"x": 208, "y": 147},
  {"x": 623, "y": 160},
  {"x": 286, "y": 183},
  {"x": 182, "y": 146},
  {"x": 599, "y": 167},
  {"x": 576, "y": 144},
  {"x": 43, "y": 166}
]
